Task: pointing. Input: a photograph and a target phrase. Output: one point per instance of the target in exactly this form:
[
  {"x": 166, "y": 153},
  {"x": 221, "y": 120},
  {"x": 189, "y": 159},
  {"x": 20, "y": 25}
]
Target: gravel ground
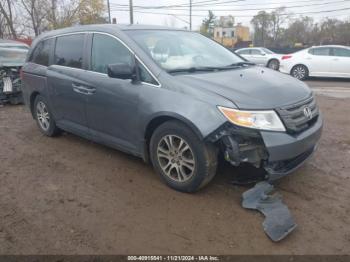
[{"x": 67, "y": 195}]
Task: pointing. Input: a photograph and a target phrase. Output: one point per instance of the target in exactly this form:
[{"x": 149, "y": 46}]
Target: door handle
[{"x": 83, "y": 89}]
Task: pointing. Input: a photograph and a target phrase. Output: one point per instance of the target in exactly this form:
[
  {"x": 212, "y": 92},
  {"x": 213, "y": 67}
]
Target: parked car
[
  {"x": 318, "y": 61},
  {"x": 12, "y": 58},
  {"x": 4, "y": 43},
  {"x": 173, "y": 97},
  {"x": 261, "y": 56}
]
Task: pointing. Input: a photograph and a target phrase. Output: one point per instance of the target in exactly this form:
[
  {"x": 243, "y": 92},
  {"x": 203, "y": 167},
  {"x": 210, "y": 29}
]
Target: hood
[{"x": 250, "y": 87}]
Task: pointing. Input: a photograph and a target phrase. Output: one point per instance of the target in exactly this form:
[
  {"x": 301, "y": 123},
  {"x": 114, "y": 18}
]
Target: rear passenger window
[
  {"x": 244, "y": 52},
  {"x": 41, "y": 53},
  {"x": 69, "y": 50},
  {"x": 322, "y": 51},
  {"x": 106, "y": 51}
]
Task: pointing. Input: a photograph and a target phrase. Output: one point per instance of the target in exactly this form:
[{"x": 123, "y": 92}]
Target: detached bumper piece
[{"x": 278, "y": 221}]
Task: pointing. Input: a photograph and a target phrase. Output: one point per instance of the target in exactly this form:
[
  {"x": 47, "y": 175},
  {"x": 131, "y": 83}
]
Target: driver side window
[{"x": 107, "y": 50}]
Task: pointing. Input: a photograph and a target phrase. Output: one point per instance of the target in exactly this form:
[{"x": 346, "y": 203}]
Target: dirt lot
[{"x": 67, "y": 195}]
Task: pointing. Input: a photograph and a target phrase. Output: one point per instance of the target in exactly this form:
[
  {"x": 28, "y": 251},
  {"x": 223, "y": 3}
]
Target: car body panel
[{"x": 251, "y": 87}]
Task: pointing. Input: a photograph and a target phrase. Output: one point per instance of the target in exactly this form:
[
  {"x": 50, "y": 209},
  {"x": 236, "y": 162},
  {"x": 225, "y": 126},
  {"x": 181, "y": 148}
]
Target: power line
[
  {"x": 173, "y": 6},
  {"x": 215, "y": 4},
  {"x": 285, "y": 14},
  {"x": 258, "y": 9},
  {"x": 190, "y": 15}
]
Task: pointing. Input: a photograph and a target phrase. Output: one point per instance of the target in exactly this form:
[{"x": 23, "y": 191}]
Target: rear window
[
  {"x": 69, "y": 50},
  {"x": 41, "y": 53}
]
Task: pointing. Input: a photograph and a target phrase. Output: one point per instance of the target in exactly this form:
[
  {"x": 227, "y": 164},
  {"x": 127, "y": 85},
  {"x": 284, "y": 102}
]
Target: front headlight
[{"x": 264, "y": 120}]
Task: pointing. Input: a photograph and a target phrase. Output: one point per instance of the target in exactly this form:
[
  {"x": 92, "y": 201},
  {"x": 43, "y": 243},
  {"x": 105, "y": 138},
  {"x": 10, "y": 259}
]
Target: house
[{"x": 229, "y": 34}]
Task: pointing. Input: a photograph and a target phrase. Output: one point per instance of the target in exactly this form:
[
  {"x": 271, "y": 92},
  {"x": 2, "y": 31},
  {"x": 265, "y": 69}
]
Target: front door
[
  {"x": 257, "y": 57},
  {"x": 340, "y": 62},
  {"x": 112, "y": 111}
]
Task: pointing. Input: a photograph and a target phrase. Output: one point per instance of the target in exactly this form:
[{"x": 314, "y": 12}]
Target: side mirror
[
  {"x": 263, "y": 54},
  {"x": 121, "y": 71}
]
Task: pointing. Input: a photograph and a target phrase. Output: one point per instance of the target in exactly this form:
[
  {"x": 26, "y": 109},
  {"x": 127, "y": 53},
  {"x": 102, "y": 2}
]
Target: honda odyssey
[{"x": 172, "y": 97}]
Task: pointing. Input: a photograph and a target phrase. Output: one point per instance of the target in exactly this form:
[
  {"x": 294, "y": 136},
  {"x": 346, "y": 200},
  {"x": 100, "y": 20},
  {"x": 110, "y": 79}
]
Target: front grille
[{"x": 294, "y": 118}]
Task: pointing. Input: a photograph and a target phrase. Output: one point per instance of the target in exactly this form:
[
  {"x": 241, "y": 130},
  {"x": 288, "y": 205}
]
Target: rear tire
[
  {"x": 183, "y": 161},
  {"x": 300, "y": 72},
  {"x": 273, "y": 64},
  {"x": 44, "y": 117}
]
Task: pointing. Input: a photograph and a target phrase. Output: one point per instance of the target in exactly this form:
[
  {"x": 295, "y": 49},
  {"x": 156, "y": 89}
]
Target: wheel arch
[
  {"x": 156, "y": 120},
  {"x": 271, "y": 59},
  {"x": 32, "y": 100}
]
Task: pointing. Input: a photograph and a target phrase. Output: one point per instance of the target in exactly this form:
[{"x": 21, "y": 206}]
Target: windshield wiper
[
  {"x": 243, "y": 63},
  {"x": 192, "y": 69},
  {"x": 209, "y": 68}
]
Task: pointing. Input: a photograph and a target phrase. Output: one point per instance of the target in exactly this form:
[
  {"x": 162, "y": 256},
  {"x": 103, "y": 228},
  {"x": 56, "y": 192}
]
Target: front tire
[
  {"x": 183, "y": 161},
  {"x": 300, "y": 72},
  {"x": 44, "y": 117}
]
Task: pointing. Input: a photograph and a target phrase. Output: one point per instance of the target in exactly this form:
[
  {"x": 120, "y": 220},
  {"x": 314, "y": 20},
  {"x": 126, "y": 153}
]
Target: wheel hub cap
[
  {"x": 43, "y": 116},
  {"x": 176, "y": 158}
]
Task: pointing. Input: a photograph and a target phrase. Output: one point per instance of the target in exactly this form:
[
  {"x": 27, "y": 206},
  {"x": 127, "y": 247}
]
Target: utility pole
[
  {"x": 190, "y": 15},
  {"x": 109, "y": 11},
  {"x": 131, "y": 12}
]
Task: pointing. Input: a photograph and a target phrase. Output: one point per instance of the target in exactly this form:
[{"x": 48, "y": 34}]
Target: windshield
[{"x": 174, "y": 50}]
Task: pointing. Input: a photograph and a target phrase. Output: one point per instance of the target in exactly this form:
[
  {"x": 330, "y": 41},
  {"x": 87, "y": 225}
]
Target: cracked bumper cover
[
  {"x": 279, "y": 153},
  {"x": 288, "y": 152}
]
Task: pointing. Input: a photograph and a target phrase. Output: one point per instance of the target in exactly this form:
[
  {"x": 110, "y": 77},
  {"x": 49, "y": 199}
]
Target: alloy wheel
[
  {"x": 43, "y": 116},
  {"x": 176, "y": 158},
  {"x": 299, "y": 72}
]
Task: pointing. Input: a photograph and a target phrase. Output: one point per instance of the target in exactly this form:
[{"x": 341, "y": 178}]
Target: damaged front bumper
[
  {"x": 10, "y": 85},
  {"x": 279, "y": 153}
]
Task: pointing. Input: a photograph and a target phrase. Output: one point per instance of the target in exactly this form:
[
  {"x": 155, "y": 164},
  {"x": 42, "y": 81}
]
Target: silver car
[{"x": 261, "y": 56}]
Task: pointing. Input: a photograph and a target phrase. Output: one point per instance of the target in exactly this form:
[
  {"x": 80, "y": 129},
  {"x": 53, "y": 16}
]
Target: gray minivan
[{"x": 172, "y": 97}]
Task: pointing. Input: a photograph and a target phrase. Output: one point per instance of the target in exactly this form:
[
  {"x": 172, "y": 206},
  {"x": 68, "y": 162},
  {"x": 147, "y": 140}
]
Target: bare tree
[
  {"x": 6, "y": 11},
  {"x": 37, "y": 13}
]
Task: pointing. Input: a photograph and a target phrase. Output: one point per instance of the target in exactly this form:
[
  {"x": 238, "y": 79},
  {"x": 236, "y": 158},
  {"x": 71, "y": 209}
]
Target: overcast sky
[{"x": 119, "y": 10}]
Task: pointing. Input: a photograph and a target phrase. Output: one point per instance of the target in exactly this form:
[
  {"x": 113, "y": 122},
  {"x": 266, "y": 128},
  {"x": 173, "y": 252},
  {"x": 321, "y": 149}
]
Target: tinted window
[
  {"x": 255, "y": 52},
  {"x": 341, "y": 52},
  {"x": 107, "y": 50},
  {"x": 69, "y": 50},
  {"x": 41, "y": 53},
  {"x": 322, "y": 51}
]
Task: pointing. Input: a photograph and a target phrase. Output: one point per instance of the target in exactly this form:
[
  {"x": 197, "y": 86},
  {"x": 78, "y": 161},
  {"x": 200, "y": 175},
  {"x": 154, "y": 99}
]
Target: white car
[
  {"x": 260, "y": 56},
  {"x": 318, "y": 61}
]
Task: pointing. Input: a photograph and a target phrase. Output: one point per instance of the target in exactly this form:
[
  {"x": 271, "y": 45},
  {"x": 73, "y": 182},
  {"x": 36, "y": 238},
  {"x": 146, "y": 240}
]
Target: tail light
[{"x": 286, "y": 57}]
